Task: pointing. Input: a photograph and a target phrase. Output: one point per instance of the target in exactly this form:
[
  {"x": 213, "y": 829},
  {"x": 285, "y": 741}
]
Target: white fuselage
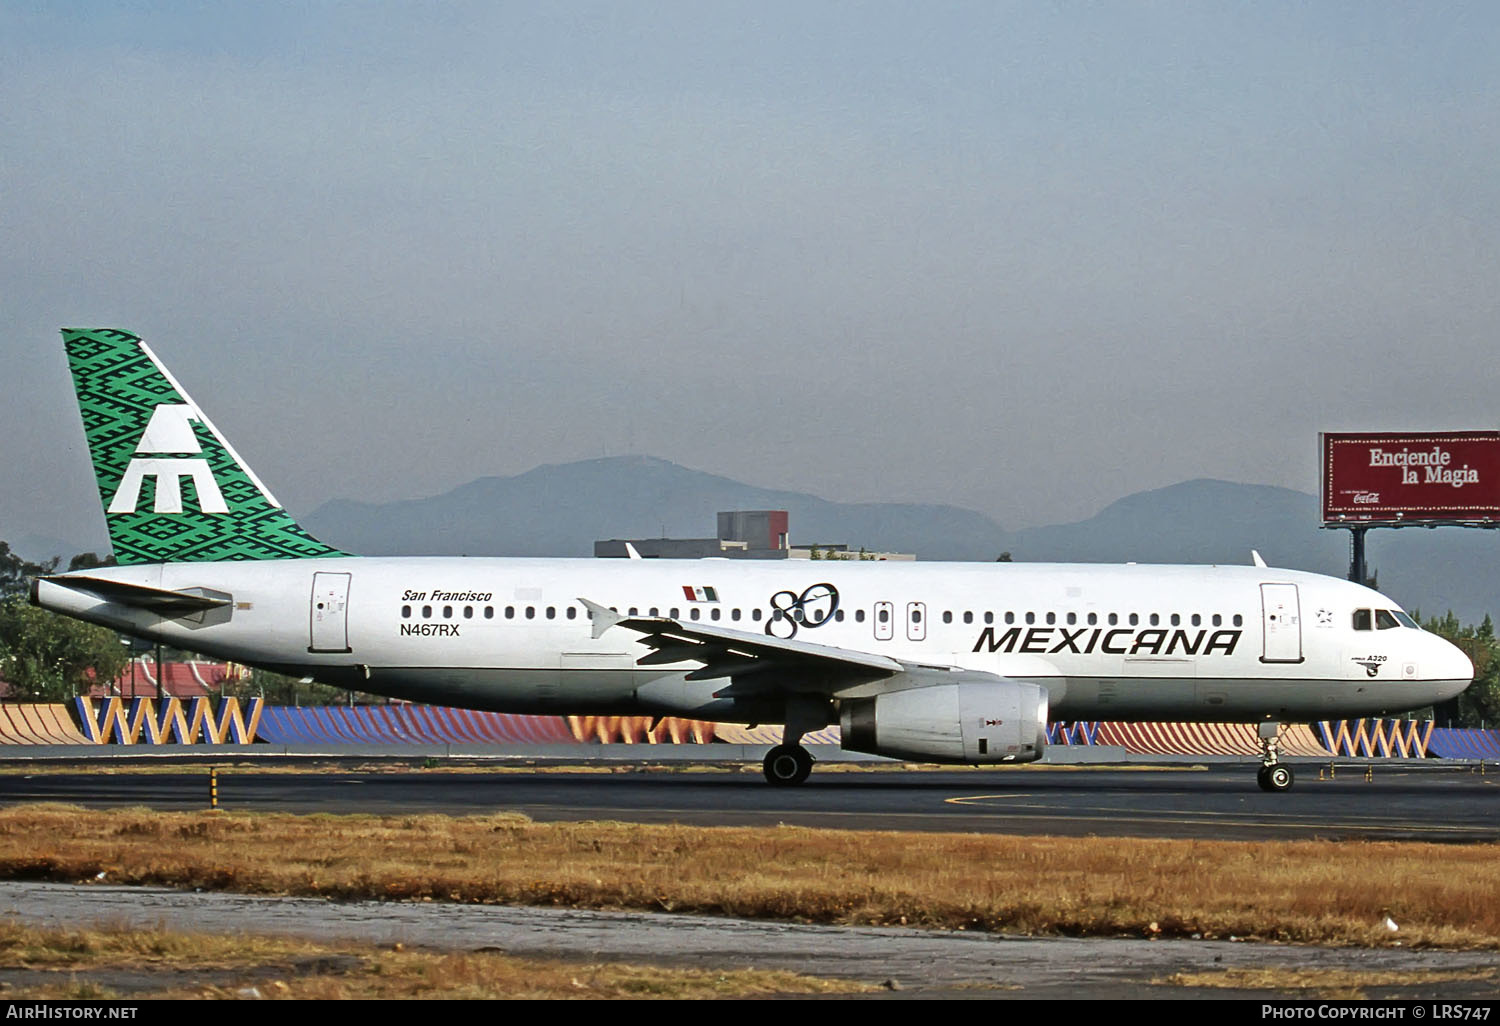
[{"x": 1106, "y": 642}]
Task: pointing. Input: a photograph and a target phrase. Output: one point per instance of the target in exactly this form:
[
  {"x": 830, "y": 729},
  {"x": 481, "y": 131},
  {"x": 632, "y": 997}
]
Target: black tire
[
  {"x": 1279, "y": 777},
  {"x": 787, "y": 765},
  {"x": 1260, "y": 778}
]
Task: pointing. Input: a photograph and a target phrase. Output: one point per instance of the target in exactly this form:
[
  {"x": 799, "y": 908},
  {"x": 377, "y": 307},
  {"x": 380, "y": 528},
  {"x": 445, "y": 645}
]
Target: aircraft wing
[{"x": 756, "y": 663}]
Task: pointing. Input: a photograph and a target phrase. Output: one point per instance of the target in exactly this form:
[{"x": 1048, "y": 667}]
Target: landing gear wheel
[
  {"x": 787, "y": 765},
  {"x": 1275, "y": 778}
]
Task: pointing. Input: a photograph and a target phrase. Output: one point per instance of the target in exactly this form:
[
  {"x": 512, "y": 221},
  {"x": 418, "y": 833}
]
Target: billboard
[{"x": 1388, "y": 480}]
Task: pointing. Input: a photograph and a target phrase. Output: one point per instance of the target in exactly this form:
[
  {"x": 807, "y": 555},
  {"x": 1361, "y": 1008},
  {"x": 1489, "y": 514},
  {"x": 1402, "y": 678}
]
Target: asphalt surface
[
  {"x": 914, "y": 963},
  {"x": 1396, "y": 802}
]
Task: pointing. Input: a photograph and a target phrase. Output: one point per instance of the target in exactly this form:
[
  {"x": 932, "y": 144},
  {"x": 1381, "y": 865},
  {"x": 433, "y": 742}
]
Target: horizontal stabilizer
[{"x": 141, "y": 596}]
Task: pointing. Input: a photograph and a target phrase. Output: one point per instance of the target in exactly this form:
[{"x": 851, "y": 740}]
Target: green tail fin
[{"x": 173, "y": 489}]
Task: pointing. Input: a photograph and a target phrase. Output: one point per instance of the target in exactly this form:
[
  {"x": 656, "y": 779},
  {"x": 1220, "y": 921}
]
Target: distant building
[{"x": 743, "y": 534}]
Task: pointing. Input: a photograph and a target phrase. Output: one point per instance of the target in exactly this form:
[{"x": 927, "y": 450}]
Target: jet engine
[{"x": 972, "y": 723}]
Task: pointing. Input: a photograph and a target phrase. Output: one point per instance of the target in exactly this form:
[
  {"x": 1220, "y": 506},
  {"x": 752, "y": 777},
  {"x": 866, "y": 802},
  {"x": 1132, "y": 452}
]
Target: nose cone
[{"x": 1452, "y": 668}]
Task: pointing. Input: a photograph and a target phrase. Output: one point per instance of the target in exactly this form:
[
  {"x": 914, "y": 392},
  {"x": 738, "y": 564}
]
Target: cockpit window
[
  {"x": 1404, "y": 620},
  {"x": 1361, "y": 619},
  {"x": 1384, "y": 621}
]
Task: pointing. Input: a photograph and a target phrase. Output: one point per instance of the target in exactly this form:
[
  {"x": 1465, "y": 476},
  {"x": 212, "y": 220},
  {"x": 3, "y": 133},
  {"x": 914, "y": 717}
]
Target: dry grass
[
  {"x": 1301, "y": 891},
  {"x": 119, "y": 963},
  {"x": 1345, "y": 984}
]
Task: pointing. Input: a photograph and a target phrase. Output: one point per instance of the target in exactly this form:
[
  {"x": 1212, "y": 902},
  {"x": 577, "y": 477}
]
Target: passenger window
[
  {"x": 1361, "y": 619},
  {"x": 426, "y": 612},
  {"x": 531, "y": 612},
  {"x": 489, "y": 612},
  {"x": 695, "y": 612},
  {"x": 572, "y": 612},
  {"x": 883, "y": 615},
  {"x": 1010, "y": 617},
  {"x": 1384, "y": 621},
  {"x": 447, "y": 612},
  {"x": 1051, "y": 618},
  {"x": 839, "y": 616},
  {"x": 1176, "y": 620},
  {"x": 713, "y": 614},
  {"x": 1239, "y": 621},
  {"x": 673, "y": 613},
  {"x": 1114, "y": 618},
  {"x": 1031, "y": 618},
  {"x": 755, "y": 614},
  {"x": 1197, "y": 620},
  {"x": 510, "y": 612},
  {"x": 734, "y": 614},
  {"x": 468, "y": 612},
  {"x": 1218, "y": 620},
  {"x": 1135, "y": 619},
  {"x": 1072, "y": 619},
  {"x": 655, "y": 611},
  {"x": 406, "y": 612},
  {"x": 552, "y": 612},
  {"x": 859, "y": 616},
  {"x": 989, "y": 617},
  {"x": 1155, "y": 620},
  {"x": 968, "y": 616}
]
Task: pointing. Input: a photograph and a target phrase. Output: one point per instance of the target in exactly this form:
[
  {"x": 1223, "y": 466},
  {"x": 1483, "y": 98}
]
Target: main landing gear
[
  {"x": 789, "y": 764},
  {"x": 1273, "y": 775}
]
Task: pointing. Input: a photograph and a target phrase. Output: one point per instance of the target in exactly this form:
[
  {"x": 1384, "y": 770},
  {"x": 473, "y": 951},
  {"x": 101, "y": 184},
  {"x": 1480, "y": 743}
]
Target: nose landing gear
[{"x": 1273, "y": 775}]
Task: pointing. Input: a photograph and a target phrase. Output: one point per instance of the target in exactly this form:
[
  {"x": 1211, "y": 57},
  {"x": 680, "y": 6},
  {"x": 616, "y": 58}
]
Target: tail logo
[{"x": 169, "y": 433}]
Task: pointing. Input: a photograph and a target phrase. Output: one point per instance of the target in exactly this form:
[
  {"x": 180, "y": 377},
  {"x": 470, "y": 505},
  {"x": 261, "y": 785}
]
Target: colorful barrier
[
  {"x": 225, "y": 721},
  {"x": 407, "y": 724},
  {"x": 1464, "y": 743},
  {"x": 200, "y": 721},
  {"x": 1072, "y": 733},
  {"x": 38, "y": 724},
  {"x": 1204, "y": 739},
  {"x": 1368, "y": 739},
  {"x": 737, "y": 734}
]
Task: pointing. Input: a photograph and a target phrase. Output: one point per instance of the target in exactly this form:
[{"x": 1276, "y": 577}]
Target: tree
[
  {"x": 50, "y": 658},
  {"x": 15, "y": 572},
  {"x": 1480, "y": 704}
]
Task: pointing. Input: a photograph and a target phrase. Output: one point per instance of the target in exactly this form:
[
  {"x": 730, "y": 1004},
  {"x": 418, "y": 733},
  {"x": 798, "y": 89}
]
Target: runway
[{"x": 1398, "y": 802}]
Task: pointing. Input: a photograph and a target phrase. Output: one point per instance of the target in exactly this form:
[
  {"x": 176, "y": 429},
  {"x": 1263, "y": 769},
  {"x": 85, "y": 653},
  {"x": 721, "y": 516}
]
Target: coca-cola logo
[{"x": 1366, "y": 498}]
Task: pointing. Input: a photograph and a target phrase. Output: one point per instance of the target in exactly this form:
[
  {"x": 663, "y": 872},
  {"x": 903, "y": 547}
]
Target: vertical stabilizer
[{"x": 173, "y": 489}]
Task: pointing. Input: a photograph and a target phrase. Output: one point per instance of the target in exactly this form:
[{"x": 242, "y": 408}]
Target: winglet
[
  {"x": 630, "y": 551},
  {"x": 603, "y": 617},
  {"x": 1255, "y": 558}
]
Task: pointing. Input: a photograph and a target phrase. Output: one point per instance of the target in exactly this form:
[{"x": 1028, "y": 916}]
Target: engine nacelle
[{"x": 975, "y": 723}]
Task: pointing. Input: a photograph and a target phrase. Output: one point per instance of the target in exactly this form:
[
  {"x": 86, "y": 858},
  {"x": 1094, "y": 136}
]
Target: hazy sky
[{"x": 1025, "y": 258}]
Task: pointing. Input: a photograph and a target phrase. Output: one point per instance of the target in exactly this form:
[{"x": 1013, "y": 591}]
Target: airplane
[{"x": 960, "y": 663}]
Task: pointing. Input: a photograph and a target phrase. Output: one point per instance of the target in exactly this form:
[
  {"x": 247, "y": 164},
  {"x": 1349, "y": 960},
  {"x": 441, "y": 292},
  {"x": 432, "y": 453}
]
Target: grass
[
  {"x": 1336, "y": 984},
  {"x": 1303, "y": 891},
  {"x": 113, "y": 964}
]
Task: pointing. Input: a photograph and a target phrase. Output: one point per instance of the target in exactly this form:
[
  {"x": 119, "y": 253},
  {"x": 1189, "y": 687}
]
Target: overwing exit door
[{"x": 329, "y": 615}]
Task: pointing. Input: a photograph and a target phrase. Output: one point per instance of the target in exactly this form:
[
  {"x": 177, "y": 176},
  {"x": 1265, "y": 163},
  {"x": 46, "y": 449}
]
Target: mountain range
[{"x": 561, "y": 509}]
